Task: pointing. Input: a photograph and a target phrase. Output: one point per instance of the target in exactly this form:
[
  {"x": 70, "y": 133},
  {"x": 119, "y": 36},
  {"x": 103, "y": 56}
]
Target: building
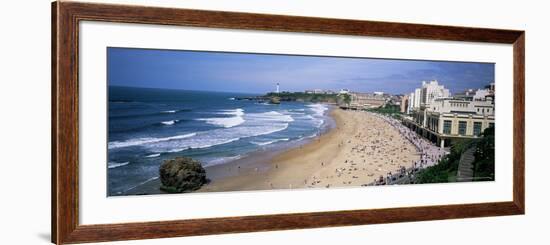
[
  {"x": 410, "y": 103},
  {"x": 394, "y": 100},
  {"x": 319, "y": 91},
  {"x": 432, "y": 90},
  {"x": 344, "y": 91},
  {"x": 414, "y": 100},
  {"x": 491, "y": 87},
  {"x": 482, "y": 94},
  {"x": 444, "y": 119},
  {"x": 449, "y": 119},
  {"x": 361, "y": 101},
  {"x": 467, "y": 94},
  {"x": 473, "y": 94},
  {"x": 426, "y": 94},
  {"x": 404, "y": 104}
]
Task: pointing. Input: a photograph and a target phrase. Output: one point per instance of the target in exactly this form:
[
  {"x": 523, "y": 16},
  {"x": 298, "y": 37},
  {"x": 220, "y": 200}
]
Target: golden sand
[{"x": 361, "y": 148}]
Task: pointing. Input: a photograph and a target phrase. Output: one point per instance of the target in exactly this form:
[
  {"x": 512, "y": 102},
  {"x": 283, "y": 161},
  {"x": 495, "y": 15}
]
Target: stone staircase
[{"x": 465, "y": 166}]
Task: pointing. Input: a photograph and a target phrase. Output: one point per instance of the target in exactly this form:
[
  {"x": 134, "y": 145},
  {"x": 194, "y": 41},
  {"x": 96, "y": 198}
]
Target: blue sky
[{"x": 258, "y": 73}]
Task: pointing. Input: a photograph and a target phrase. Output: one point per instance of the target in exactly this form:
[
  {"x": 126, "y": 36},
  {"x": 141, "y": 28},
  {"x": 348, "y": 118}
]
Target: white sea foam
[
  {"x": 142, "y": 183},
  {"x": 308, "y": 136},
  {"x": 271, "y": 116},
  {"x": 317, "y": 121},
  {"x": 236, "y": 112},
  {"x": 318, "y": 109},
  {"x": 226, "y": 122},
  {"x": 267, "y": 129},
  {"x": 202, "y": 139},
  {"x": 170, "y": 111},
  {"x": 295, "y": 113},
  {"x": 268, "y": 142},
  {"x": 153, "y": 155},
  {"x": 221, "y": 160},
  {"x": 320, "y": 122},
  {"x": 170, "y": 122},
  {"x": 250, "y": 125},
  {"x": 117, "y": 164},
  {"x": 216, "y": 137},
  {"x": 142, "y": 141},
  {"x": 202, "y": 144},
  {"x": 318, "y": 114}
]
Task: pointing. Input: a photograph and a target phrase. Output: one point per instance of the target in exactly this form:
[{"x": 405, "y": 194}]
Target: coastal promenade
[{"x": 430, "y": 154}]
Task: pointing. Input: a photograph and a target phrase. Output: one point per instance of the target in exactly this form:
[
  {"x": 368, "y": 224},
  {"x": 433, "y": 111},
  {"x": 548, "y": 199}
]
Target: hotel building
[
  {"x": 360, "y": 101},
  {"x": 414, "y": 100},
  {"x": 319, "y": 91},
  {"x": 404, "y": 104},
  {"x": 444, "y": 119}
]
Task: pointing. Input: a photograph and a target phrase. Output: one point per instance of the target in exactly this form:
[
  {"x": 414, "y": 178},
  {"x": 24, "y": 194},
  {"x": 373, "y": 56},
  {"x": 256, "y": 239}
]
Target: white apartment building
[
  {"x": 446, "y": 119},
  {"x": 426, "y": 94},
  {"x": 344, "y": 91},
  {"x": 481, "y": 94},
  {"x": 442, "y": 119},
  {"x": 432, "y": 90}
]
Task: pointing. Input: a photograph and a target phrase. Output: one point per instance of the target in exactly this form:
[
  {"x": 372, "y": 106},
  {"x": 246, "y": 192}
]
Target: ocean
[{"x": 148, "y": 125}]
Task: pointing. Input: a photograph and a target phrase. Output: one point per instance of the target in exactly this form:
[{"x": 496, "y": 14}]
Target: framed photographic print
[{"x": 175, "y": 122}]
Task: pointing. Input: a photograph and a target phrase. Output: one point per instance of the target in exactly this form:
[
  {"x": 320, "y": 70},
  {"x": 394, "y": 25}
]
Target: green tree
[
  {"x": 484, "y": 164},
  {"x": 344, "y": 99},
  {"x": 446, "y": 170}
]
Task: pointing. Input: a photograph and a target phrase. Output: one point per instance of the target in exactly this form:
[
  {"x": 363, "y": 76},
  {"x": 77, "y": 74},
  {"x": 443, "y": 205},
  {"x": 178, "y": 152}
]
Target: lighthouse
[{"x": 277, "y": 91}]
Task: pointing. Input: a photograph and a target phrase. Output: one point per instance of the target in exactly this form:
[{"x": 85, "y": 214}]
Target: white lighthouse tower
[{"x": 277, "y": 91}]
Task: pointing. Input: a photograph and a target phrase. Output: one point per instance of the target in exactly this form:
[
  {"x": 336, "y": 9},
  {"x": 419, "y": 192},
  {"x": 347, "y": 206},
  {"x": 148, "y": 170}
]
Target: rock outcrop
[{"x": 182, "y": 174}]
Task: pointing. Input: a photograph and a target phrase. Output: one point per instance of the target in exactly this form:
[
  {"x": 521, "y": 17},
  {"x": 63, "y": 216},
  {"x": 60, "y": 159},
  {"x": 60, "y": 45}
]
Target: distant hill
[{"x": 297, "y": 97}]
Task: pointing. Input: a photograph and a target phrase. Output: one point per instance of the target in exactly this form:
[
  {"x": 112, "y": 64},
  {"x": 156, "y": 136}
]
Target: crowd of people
[
  {"x": 367, "y": 146},
  {"x": 430, "y": 154}
]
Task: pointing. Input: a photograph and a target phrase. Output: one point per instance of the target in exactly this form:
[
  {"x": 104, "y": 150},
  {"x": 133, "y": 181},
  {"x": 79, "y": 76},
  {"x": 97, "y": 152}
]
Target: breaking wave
[
  {"x": 117, "y": 164},
  {"x": 268, "y": 142},
  {"x": 171, "y": 122},
  {"x": 318, "y": 109},
  {"x": 142, "y": 141},
  {"x": 226, "y": 122}
]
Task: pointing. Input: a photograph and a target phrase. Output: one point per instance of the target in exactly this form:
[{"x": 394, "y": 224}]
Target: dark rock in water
[{"x": 182, "y": 174}]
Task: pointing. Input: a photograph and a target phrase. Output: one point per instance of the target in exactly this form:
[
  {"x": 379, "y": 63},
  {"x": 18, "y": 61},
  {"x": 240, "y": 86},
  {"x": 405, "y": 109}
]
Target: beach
[
  {"x": 357, "y": 151},
  {"x": 149, "y": 126},
  {"x": 278, "y": 130}
]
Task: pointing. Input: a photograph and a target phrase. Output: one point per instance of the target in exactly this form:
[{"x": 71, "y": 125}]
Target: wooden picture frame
[{"x": 65, "y": 121}]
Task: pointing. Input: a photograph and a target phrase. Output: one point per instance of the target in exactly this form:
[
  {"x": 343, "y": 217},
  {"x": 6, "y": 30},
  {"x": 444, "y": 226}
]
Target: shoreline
[
  {"x": 256, "y": 171},
  {"x": 356, "y": 151},
  {"x": 259, "y": 159}
]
